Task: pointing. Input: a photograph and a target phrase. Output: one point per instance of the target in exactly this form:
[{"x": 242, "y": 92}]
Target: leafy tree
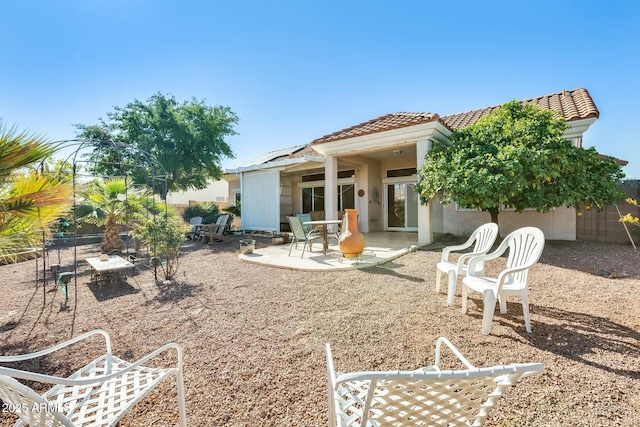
[
  {"x": 29, "y": 201},
  {"x": 188, "y": 139},
  {"x": 516, "y": 156},
  {"x": 113, "y": 203}
]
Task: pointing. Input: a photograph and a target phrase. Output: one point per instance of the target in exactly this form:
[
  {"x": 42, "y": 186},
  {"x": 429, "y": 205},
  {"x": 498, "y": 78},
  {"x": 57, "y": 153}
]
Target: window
[
  {"x": 346, "y": 197},
  {"x": 312, "y": 199},
  {"x": 395, "y": 173}
]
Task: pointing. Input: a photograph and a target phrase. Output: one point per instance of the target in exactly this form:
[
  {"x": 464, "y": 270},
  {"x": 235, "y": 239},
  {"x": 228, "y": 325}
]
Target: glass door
[{"x": 402, "y": 207}]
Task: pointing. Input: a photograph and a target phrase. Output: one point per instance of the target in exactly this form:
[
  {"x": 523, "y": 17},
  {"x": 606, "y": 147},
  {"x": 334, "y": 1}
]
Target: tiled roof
[
  {"x": 380, "y": 124},
  {"x": 573, "y": 104}
]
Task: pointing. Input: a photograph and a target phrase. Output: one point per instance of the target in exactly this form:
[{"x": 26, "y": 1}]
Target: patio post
[
  {"x": 425, "y": 216},
  {"x": 331, "y": 187}
]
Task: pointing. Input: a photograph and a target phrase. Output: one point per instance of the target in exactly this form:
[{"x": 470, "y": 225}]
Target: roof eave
[
  {"x": 276, "y": 164},
  {"x": 384, "y": 139}
]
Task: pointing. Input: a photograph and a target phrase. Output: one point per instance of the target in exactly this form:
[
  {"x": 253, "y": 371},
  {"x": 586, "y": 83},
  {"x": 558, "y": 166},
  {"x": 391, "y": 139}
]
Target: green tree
[
  {"x": 29, "y": 201},
  {"x": 113, "y": 203},
  {"x": 188, "y": 139},
  {"x": 516, "y": 156}
]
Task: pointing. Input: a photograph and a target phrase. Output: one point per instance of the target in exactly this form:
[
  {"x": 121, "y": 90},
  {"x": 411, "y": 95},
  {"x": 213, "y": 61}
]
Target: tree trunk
[
  {"x": 494, "y": 214},
  {"x": 111, "y": 241}
]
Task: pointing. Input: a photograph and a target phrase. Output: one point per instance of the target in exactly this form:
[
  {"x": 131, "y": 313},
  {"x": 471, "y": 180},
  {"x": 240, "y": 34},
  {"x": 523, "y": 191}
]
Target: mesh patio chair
[
  {"x": 525, "y": 246},
  {"x": 97, "y": 395},
  {"x": 482, "y": 239},
  {"x": 301, "y": 235},
  {"x": 425, "y": 397}
]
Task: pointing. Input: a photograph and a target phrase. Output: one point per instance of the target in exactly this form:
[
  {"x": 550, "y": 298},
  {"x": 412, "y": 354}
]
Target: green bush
[{"x": 208, "y": 211}]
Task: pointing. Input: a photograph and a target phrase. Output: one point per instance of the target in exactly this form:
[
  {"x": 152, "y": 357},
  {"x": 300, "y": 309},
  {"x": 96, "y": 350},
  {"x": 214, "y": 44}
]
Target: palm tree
[
  {"x": 111, "y": 203},
  {"x": 29, "y": 201}
]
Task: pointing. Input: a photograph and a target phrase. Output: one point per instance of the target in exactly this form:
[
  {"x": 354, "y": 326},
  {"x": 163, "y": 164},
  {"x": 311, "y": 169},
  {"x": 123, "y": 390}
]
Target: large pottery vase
[{"x": 351, "y": 242}]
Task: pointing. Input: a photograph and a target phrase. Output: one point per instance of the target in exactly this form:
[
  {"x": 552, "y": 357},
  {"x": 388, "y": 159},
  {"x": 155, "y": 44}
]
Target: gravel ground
[{"x": 254, "y": 336}]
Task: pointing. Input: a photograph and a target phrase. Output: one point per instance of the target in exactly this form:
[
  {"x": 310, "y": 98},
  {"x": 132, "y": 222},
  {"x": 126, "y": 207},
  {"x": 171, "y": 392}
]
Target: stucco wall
[{"x": 559, "y": 224}]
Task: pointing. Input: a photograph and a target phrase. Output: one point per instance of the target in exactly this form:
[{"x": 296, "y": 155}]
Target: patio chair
[
  {"x": 425, "y": 397},
  {"x": 304, "y": 218},
  {"x": 301, "y": 235},
  {"x": 525, "y": 246},
  {"x": 482, "y": 240},
  {"x": 97, "y": 395},
  {"x": 195, "y": 223},
  {"x": 214, "y": 232}
]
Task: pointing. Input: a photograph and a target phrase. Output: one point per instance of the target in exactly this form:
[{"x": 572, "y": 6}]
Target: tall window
[
  {"x": 346, "y": 197},
  {"x": 312, "y": 199}
]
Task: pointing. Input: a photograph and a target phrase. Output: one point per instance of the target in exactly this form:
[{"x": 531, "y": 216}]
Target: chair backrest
[
  {"x": 317, "y": 215},
  {"x": 222, "y": 220},
  {"x": 418, "y": 398},
  {"x": 296, "y": 227},
  {"x": 525, "y": 247},
  {"x": 485, "y": 236},
  {"x": 196, "y": 220},
  {"x": 32, "y": 409}
]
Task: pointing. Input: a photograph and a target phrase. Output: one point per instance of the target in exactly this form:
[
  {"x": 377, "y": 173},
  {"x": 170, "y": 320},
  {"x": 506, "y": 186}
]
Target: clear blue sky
[{"x": 296, "y": 70}]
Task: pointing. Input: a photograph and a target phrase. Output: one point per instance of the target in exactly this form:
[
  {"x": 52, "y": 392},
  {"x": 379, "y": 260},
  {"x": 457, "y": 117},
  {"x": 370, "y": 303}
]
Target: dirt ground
[{"x": 254, "y": 336}]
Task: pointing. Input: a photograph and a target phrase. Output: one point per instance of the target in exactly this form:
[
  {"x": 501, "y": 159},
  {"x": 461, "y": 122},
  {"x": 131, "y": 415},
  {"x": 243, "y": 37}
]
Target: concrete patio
[{"x": 379, "y": 248}]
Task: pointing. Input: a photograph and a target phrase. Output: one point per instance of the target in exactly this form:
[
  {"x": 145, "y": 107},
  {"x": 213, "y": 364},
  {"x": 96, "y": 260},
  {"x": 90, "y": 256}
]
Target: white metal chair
[
  {"x": 525, "y": 246},
  {"x": 424, "y": 397},
  {"x": 484, "y": 237},
  {"x": 300, "y": 235},
  {"x": 97, "y": 395}
]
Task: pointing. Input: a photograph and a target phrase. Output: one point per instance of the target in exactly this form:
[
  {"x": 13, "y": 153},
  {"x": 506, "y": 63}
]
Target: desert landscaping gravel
[{"x": 254, "y": 335}]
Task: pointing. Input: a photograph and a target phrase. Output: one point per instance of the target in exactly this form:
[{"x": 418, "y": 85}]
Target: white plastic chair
[
  {"x": 525, "y": 246},
  {"x": 424, "y": 397},
  {"x": 97, "y": 395},
  {"x": 484, "y": 237}
]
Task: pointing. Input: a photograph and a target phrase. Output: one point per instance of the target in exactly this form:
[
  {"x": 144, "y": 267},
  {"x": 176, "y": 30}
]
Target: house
[{"x": 372, "y": 167}]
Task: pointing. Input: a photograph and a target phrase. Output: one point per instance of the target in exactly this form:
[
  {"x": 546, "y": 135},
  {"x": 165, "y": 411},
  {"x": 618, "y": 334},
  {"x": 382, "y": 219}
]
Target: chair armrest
[
  {"x": 448, "y": 249},
  {"x": 16, "y": 373},
  {"x": 4, "y": 359},
  {"x": 454, "y": 350}
]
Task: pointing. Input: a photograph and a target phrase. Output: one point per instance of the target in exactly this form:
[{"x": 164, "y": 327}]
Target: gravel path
[{"x": 254, "y": 336}]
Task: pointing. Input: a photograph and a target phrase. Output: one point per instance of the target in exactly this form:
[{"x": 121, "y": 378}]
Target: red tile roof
[
  {"x": 380, "y": 124},
  {"x": 574, "y": 104}
]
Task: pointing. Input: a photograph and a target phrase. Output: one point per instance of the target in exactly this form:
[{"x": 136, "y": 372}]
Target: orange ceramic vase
[{"x": 351, "y": 242}]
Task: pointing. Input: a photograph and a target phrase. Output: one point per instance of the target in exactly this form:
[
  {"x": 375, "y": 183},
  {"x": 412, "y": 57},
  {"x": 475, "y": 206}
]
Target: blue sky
[{"x": 296, "y": 70}]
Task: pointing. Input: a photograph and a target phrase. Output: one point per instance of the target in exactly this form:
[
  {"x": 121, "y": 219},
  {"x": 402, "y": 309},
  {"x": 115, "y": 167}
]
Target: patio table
[
  {"x": 324, "y": 223},
  {"x": 113, "y": 264}
]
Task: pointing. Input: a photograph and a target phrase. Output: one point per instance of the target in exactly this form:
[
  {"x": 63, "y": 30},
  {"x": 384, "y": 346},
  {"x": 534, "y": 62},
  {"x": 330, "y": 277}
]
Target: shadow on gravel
[{"x": 578, "y": 335}]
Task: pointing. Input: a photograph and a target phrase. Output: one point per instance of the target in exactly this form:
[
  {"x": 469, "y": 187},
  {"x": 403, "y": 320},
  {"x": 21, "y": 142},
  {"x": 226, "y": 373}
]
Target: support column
[
  {"x": 425, "y": 214},
  {"x": 331, "y": 187}
]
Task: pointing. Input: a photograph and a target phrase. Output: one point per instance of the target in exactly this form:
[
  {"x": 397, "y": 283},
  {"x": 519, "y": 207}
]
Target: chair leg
[
  {"x": 438, "y": 274},
  {"x": 503, "y": 303},
  {"x": 304, "y": 246},
  {"x": 181, "y": 402},
  {"x": 489, "y": 302},
  {"x": 291, "y": 245},
  {"x": 451, "y": 290},
  {"x": 525, "y": 311},
  {"x": 465, "y": 291}
]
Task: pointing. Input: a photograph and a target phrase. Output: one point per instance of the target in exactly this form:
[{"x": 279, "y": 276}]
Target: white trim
[
  {"x": 410, "y": 179},
  {"x": 386, "y": 139},
  {"x": 578, "y": 127},
  {"x": 276, "y": 164}
]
